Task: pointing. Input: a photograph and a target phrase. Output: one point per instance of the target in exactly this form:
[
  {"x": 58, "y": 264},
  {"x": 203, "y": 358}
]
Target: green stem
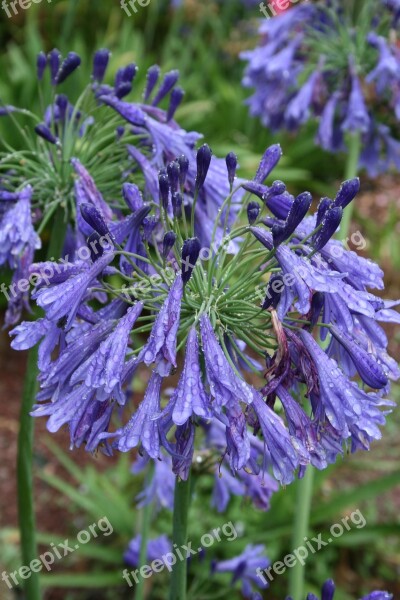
[
  {"x": 301, "y": 523},
  {"x": 351, "y": 172},
  {"x": 145, "y": 529},
  {"x": 24, "y": 476},
  {"x": 182, "y": 497},
  {"x": 26, "y": 509}
]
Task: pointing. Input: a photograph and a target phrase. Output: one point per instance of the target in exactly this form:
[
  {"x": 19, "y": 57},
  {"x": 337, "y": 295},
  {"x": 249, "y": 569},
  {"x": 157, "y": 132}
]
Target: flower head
[{"x": 310, "y": 65}]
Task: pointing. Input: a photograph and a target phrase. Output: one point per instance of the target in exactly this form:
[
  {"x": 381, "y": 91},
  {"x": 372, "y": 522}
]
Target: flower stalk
[{"x": 182, "y": 497}]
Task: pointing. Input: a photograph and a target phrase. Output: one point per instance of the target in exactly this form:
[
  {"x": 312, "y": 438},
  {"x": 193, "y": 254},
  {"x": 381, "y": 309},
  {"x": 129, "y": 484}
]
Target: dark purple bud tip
[
  {"x": 71, "y": 62},
  {"x": 274, "y": 291},
  {"x": 96, "y": 246},
  {"x": 253, "y": 210},
  {"x": 328, "y": 590},
  {"x": 177, "y": 202},
  {"x": 54, "y": 63},
  {"x": 168, "y": 243},
  {"x": 190, "y": 254},
  {"x": 174, "y": 171},
  {"x": 94, "y": 218},
  {"x": 231, "y": 164},
  {"x": 184, "y": 168},
  {"x": 45, "y": 133},
  {"x": 163, "y": 183},
  {"x": 124, "y": 88},
  {"x": 271, "y": 157},
  {"x": 298, "y": 211},
  {"x": 277, "y": 188},
  {"x": 177, "y": 96},
  {"x": 317, "y": 304},
  {"x": 166, "y": 86},
  {"x": 348, "y": 191},
  {"x": 41, "y": 63},
  {"x": 323, "y": 206},
  {"x": 152, "y": 77},
  {"x": 62, "y": 104},
  {"x": 100, "y": 63},
  {"x": 204, "y": 155},
  {"x": 330, "y": 224}
]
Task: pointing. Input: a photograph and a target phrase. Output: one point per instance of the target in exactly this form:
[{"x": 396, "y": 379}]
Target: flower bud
[
  {"x": 152, "y": 77},
  {"x": 164, "y": 190},
  {"x": 184, "y": 168},
  {"x": 168, "y": 243},
  {"x": 100, "y": 63},
  {"x": 94, "y": 218},
  {"x": 173, "y": 171},
  {"x": 41, "y": 63},
  {"x": 253, "y": 210},
  {"x": 231, "y": 164},
  {"x": 45, "y": 133},
  {"x": 69, "y": 64},
  {"x": 204, "y": 155},
  {"x": 177, "y": 95},
  {"x": 177, "y": 202},
  {"x": 190, "y": 254}
]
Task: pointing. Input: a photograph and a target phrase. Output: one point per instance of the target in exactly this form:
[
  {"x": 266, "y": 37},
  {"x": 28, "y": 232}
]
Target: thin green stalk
[
  {"x": 145, "y": 529},
  {"x": 26, "y": 509},
  {"x": 178, "y": 589},
  {"x": 351, "y": 172},
  {"x": 301, "y": 523},
  {"x": 24, "y": 477}
]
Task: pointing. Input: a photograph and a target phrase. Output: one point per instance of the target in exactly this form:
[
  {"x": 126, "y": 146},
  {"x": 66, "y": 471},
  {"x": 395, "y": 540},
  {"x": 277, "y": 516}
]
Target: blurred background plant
[{"x": 202, "y": 40}]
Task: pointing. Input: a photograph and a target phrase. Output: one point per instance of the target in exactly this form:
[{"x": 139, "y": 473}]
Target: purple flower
[
  {"x": 103, "y": 370},
  {"x": 63, "y": 300},
  {"x": 142, "y": 428},
  {"x": 189, "y": 396},
  {"x": 225, "y": 385},
  {"x": 156, "y": 548},
  {"x": 225, "y": 485},
  {"x": 277, "y": 440},
  {"x": 348, "y": 409},
  {"x": 294, "y": 81},
  {"x": 357, "y": 113},
  {"x": 16, "y": 230},
  {"x": 244, "y": 568},
  {"x": 160, "y": 489},
  {"x": 161, "y": 347}
]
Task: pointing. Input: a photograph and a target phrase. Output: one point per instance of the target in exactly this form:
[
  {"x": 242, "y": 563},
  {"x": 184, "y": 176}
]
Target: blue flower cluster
[
  {"x": 319, "y": 60},
  {"x": 242, "y": 307}
]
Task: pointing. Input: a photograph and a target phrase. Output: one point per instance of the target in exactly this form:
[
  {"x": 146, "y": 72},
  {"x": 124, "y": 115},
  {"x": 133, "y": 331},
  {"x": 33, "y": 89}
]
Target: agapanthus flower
[
  {"x": 341, "y": 68},
  {"x": 244, "y": 568},
  {"x": 218, "y": 348},
  {"x": 156, "y": 548},
  {"x": 329, "y": 588}
]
